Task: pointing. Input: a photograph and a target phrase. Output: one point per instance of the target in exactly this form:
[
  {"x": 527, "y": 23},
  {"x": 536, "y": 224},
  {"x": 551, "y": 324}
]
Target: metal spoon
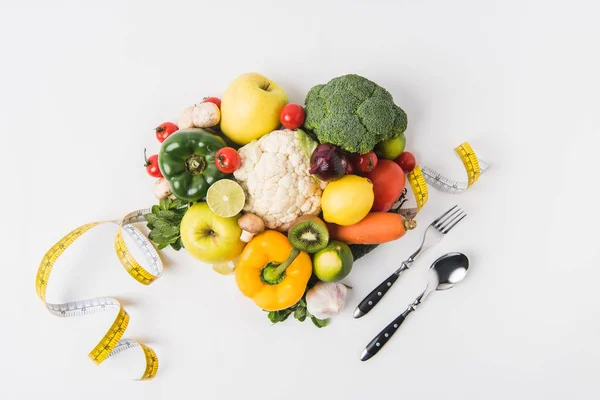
[{"x": 444, "y": 273}]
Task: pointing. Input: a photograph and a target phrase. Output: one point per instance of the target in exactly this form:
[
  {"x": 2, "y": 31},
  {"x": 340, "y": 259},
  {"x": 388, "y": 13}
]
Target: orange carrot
[{"x": 375, "y": 228}]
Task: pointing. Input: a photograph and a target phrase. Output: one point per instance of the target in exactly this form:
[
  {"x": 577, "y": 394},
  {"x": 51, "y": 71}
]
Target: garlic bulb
[
  {"x": 186, "y": 120},
  {"x": 326, "y": 299},
  {"x": 206, "y": 115}
]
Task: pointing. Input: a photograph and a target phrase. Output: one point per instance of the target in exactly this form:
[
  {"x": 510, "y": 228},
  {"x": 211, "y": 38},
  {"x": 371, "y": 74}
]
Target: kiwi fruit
[{"x": 308, "y": 233}]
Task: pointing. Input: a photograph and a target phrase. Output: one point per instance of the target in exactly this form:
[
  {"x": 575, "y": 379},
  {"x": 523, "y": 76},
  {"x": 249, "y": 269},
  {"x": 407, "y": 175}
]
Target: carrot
[{"x": 375, "y": 228}]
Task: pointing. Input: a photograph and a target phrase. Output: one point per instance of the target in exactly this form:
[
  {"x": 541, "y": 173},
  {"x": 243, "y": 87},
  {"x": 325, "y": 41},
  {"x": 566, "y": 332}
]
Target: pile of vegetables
[{"x": 286, "y": 197}]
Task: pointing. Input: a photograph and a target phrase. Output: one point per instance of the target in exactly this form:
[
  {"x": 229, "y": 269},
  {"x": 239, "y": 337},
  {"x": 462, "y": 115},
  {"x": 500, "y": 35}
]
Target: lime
[
  {"x": 334, "y": 262},
  {"x": 391, "y": 148},
  {"x": 226, "y": 198}
]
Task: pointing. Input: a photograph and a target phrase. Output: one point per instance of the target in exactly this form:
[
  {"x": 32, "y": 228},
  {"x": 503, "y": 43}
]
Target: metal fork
[{"x": 434, "y": 233}]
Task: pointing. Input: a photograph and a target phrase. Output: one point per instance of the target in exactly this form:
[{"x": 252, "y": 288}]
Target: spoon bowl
[{"x": 447, "y": 271}]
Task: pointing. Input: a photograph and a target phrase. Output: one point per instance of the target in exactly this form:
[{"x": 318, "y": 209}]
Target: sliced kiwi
[{"x": 308, "y": 233}]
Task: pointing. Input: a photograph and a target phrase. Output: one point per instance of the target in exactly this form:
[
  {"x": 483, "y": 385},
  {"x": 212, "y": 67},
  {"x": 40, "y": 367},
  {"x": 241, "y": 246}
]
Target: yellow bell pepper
[{"x": 272, "y": 272}]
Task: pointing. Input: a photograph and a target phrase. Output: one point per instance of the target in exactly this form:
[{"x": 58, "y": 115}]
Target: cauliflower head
[
  {"x": 353, "y": 113},
  {"x": 274, "y": 174}
]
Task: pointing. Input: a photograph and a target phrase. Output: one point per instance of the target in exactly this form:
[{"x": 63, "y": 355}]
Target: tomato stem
[{"x": 146, "y": 162}]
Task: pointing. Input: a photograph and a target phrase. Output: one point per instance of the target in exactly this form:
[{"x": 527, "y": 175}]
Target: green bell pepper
[{"x": 187, "y": 161}]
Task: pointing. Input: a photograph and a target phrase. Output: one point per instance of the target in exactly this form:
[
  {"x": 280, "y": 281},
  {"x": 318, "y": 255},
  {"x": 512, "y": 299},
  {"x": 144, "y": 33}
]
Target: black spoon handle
[
  {"x": 369, "y": 302},
  {"x": 382, "y": 338}
]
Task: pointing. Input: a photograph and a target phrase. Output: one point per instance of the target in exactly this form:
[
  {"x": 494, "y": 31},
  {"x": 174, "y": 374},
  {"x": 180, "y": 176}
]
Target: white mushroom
[
  {"x": 206, "y": 115},
  {"x": 251, "y": 225},
  {"x": 186, "y": 120},
  {"x": 162, "y": 189}
]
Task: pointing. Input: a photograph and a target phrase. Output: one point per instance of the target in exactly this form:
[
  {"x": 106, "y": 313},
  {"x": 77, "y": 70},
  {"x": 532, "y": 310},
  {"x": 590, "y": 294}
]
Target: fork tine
[
  {"x": 444, "y": 214},
  {"x": 448, "y": 218},
  {"x": 447, "y": 229},
  {"x": 451, "y": 219}
]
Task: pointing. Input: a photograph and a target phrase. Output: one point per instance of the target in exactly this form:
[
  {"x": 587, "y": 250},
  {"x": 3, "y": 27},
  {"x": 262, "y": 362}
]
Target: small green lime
[
  {"x": 226, "y": 198},
  {"x": 334, "y": 262},
  {"x": 390, "y": 149}
]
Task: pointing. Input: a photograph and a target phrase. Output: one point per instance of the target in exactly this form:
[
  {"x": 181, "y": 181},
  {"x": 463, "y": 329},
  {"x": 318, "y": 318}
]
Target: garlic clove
[{"x": 326, "y": 299}]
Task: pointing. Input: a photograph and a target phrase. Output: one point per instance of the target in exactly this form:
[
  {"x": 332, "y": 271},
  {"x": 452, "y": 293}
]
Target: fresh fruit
[
  {"x": 334, "y": 262},
  {"x": 347, "y": 200},
  {"x": 208, "y": 237},
  {"x": 375, "y": 228},
  {"x": 250, "y": 108},
  {"x": 292, "y": 116},
  {"x": 308, "y": 233},
  {"x": 406, "y": 161},
  {"x": 226, "y": 198},
  {"x": 391, "y": 148},
  {"x": 215, "y": 100},
  {"x": 151, "y": 165},
  {"x": 364, "y": 163},
  {"x": 388, "y": 184},
  {"x": 227, "y": 160},
  {"x": 328, "y": 163},
  {"x": 164, "y": 130}
]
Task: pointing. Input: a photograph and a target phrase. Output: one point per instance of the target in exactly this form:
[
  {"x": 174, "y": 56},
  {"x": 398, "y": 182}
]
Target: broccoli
[{"x": 353, "y": 113}]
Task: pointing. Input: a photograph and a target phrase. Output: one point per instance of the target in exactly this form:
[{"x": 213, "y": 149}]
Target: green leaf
[
  {"x": 162, "y": 246},
  {"x": 300, "y": 314},
  {"x": 178, "y": 203},
  {"x": 155, "y": 209},
  {"x": 176, "y": 245},
  {"x": 319, "y": 323}
]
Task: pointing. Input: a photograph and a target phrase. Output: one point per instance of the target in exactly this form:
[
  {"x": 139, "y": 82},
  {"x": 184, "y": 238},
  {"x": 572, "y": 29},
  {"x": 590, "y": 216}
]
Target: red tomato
[
  {"x": 164, "y": 130},
  {"x": 152, "y": 165},
  {"x": 215, "y": 100},
  {"x": 388, "y": 184},
  {"x": 227, "y": 160},
  {"x": 292, "y": 116},
  {"x": 364, "y": 163},
  {"x": 406, "y": 161}
]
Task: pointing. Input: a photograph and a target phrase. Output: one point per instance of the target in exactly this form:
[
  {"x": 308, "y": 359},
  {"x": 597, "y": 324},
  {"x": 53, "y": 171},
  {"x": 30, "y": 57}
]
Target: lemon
[
  {"x": 347, "y": 200},
  {"x": 225, "y": 198}
]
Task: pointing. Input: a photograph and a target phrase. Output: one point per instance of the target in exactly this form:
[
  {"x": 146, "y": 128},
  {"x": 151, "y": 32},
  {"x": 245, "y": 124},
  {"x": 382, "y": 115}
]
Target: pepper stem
[
  {"x": 195, "y": 164},
  {"x": 273, "y": 273}
]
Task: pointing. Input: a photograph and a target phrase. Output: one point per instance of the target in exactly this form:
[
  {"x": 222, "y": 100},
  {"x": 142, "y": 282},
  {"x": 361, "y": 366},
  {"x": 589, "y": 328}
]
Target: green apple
[
  {"x": 208, "y": 237},
  {"x": 390, "y": 149},
  {"x": 250, "y": 107}
]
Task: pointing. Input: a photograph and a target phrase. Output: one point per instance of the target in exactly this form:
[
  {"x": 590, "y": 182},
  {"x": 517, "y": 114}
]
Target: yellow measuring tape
[
  {"x": 112, "y": 342},
  {"x": 421, "y": 176}
]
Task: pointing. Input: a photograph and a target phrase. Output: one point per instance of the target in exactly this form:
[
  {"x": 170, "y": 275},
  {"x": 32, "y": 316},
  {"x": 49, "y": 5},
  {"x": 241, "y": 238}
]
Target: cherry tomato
[
  {"x": 215, "y": 100},
  {"x": 227, "y": 160},
  {"x": 152, "y": 165},
  {"x": 292, "y": 116},
  {"x": 364, "y": 163},
  {"x": 406, "y": 161},
  {"x": 388, "y": 183},
  {"x": 164, "y": 130}
]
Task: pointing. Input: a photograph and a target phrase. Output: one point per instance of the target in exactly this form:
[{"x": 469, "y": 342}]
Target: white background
[{"x": 82, "y": 86}]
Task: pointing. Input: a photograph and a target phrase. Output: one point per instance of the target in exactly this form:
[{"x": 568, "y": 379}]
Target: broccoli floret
[{"x": 353, "y": 113}]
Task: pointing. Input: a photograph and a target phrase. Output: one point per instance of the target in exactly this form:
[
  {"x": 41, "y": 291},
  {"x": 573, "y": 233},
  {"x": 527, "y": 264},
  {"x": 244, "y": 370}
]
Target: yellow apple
[
  {"x": 208, "y": 237},
  {"x": 250, "y": 107}
]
